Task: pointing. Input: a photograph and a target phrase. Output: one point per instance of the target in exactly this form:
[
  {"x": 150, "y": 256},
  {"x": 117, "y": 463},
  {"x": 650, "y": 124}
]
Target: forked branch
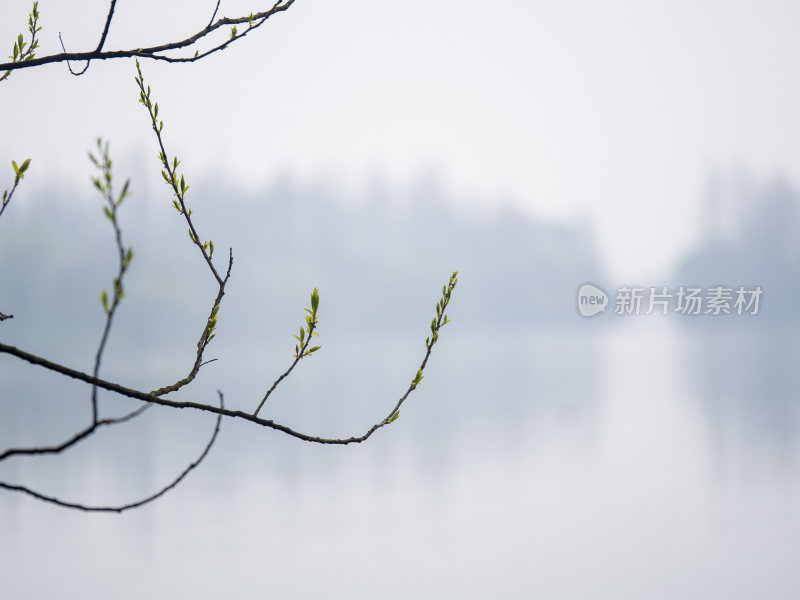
[
  {"x": 160, "y": 52},
  {"x": 123, "y": 507},
  {"x": 24, "y": 57},
  {"x": 438, "y": 322}
]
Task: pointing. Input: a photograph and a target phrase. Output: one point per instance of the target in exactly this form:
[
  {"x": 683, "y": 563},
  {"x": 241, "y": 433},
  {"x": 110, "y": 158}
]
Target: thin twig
[
  {"x": 81, "y": 435},
  {"x": 214, "y": 14},
  {"x": 179, "y": 190},
  {"x": 124, "y": 507},
  {"x": 7, "y": 196},
  {"x": 436, "y": 325},
  {"x": 107, "y": 27},
  {"x": 69, "y": 66},
  {"x": 25, "y": 51},
  {"x": 103, "y": 164},
  {"x": 131, "y": 393},
  {"x": 99, "y": 45},
  {"x": 202, "y": 342},
  {"x": 5, "y": 200},
  {"x": 156, "y": 52},
  {"x": 300, "y": 355}
]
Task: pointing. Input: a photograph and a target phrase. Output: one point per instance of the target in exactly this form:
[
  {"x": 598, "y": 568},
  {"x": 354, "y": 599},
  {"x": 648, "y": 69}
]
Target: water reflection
[
  {"x": 572, "y": 464},
  {"x": 747, "y": 391},
  {"x": 543, "y": 456}
]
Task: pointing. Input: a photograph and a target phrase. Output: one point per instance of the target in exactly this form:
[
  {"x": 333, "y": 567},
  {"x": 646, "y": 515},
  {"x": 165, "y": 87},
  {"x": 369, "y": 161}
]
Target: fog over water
[{"x": 544, "y": 454}]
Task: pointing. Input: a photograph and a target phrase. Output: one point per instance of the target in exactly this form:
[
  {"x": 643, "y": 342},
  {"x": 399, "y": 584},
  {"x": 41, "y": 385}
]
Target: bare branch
[
  {"x": 302, "y": 350},
  {"x": 107, "y": 27},
  {"x": 214, "y": 14},
  {"x": 99, "y": 45},
  {"x": 131, "y": 393},
  {"x": 81, "y": 435},
  {"x": 124, "y": 507},
  {"x": 438, "y": 322},
  {"x": 69, "y": 66},
  {"x": 7, "y": 196},
  {"x": 278, "y": 380},
  {"x": 253, "y": 21}
]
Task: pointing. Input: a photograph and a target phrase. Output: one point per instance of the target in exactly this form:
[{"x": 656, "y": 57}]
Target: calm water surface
[{"x": 643, "y": 461}]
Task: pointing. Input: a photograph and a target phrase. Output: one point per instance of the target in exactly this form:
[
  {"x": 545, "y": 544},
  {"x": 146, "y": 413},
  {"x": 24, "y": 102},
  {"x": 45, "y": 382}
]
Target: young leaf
[
  {"x": 124, "y": 193},
  {"x": 314, "y": 300},
  {"x": 128, "y": 256}
]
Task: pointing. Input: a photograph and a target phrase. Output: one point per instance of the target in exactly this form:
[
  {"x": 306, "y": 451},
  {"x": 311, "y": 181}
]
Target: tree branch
[
  {"x": 301, "y": 350},
  {"x": 81, "y": 435},
  {"x": 104, "y": 186},
  {"x": 19, "y": 174},
  {"x": 253, "y": 21},
  {"x": 23, "y": 57},
  {"x": 214, "y": 14},
  {"x": 438, "y": 322},
  {"x": 179, "y": 189},
  {"x": 124, "y": 507},
  {"x": 107, "y": 27},
  {"x": 131, "y": 393},
  {"x": 99, "y": 45},
  {"x": 24, "y": 51}
]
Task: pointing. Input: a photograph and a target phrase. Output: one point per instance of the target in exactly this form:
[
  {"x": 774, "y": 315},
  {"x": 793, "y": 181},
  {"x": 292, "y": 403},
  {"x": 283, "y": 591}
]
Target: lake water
[{"x": 645, "y": 460}]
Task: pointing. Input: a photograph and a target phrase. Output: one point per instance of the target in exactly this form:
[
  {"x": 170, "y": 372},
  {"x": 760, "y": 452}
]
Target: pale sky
[{"x": 613, "y": 112}]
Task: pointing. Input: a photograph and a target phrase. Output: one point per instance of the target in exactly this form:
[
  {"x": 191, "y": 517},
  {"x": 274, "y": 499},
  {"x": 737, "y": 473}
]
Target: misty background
[{"x": 370, "y": 153}]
